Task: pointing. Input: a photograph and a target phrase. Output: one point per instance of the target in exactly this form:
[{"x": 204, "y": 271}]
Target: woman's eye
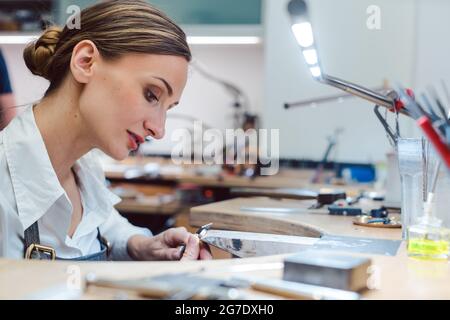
[{"x": 150, "y": 96}]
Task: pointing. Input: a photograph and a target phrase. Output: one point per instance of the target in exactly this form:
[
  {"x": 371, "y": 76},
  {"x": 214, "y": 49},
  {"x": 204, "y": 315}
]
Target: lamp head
[
  {"x": 297, "y": 8},
  {"x": 302, "y": 30}
]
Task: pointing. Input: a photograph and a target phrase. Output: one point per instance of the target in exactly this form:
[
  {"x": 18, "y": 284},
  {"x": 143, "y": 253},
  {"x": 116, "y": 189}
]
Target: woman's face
[{"x": 127, "y": 99}]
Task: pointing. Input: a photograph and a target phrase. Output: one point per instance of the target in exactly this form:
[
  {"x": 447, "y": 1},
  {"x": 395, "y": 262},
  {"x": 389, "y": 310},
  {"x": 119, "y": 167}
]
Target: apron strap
[
  {"x": 32, "y": 245},
  {"x": 31, "y": 235},
  {"x": 34, "y": 250}
]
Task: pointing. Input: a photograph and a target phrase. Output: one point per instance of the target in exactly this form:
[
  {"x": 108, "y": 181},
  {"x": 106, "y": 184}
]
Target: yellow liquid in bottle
[
  {"x": 428, "y": 239},
  {"x": 428, "y": 249}
]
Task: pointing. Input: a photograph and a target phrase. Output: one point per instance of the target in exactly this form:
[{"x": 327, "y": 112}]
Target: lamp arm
[{"x": 358, "y": 90}]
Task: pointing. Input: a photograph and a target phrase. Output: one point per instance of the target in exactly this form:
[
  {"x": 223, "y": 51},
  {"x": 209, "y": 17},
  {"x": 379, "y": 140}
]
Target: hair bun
[{"x": 38, "y": 54}]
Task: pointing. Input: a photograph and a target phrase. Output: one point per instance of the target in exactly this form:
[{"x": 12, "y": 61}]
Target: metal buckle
[
  {"x": 107, "y": 244},
  {"x": 40, "y": 248}
]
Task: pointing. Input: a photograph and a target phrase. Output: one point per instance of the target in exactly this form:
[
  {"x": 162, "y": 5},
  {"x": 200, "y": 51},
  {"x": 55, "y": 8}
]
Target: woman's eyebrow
[{"x": 168, "y": 87}]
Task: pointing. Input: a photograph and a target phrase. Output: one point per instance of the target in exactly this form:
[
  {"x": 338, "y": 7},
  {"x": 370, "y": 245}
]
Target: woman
[{"x": 111, "y": 84}]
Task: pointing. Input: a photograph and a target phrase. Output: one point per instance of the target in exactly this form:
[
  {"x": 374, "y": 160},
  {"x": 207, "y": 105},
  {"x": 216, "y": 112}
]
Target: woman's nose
[{"x": 156, "y": 125}]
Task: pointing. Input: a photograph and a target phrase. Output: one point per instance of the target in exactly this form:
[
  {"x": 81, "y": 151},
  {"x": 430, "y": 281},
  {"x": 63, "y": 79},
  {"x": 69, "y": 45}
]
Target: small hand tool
[{"x": 200, "y": 233}]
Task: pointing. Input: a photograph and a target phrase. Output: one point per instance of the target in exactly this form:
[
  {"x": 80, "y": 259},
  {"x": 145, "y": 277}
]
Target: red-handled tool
[{"x": 428, "y": 129}]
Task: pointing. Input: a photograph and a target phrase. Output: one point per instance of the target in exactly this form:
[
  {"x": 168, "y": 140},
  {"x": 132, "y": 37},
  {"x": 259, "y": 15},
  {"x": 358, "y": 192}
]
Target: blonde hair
[{"x": 116, "y": 28}]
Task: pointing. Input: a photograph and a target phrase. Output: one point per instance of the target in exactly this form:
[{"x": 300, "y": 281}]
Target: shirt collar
[
  {"x": 36, "y": 186},
  {"x": 34, "y": 180}
]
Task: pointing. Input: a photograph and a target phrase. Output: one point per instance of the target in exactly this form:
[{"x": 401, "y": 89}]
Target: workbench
[
  {"x": 306, "y": 222},
  {"x": 397, "y": 277},
  {"x": 400, "y": 277},
  {"x": 170, "y": 174},
  {"x": 171, "y": 177}
]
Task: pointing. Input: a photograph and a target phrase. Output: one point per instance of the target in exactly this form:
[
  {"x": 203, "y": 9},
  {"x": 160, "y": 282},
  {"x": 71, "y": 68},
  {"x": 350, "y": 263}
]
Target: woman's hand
[{"x": 168, "y": 245}]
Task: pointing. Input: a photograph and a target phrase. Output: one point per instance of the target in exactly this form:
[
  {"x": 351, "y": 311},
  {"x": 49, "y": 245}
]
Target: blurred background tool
[
  {"x": 323, "y": 196},
  {"x": 295, "y": 290},
  {"x": 368, "y": 221},
  {"x": 179, "y": 286},
  {"x": 332, "y": 142},
  {"x": 190, "y": 286},
  {"x": 435, "y": 128},
  {"x": 240, "y": 99}
]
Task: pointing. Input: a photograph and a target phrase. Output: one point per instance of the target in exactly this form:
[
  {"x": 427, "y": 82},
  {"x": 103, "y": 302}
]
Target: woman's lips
[
  {"x": 139, "y": 139},
  {"x": 133, "y": 140}
]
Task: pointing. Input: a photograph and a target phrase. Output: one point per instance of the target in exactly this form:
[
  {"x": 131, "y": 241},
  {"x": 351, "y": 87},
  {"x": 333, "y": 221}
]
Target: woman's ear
[{"x": 84, "y": 55}]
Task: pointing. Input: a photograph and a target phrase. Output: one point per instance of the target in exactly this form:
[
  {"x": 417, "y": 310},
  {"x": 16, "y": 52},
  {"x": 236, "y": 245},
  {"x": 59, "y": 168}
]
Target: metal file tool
[{"x": 251, "y": 244}]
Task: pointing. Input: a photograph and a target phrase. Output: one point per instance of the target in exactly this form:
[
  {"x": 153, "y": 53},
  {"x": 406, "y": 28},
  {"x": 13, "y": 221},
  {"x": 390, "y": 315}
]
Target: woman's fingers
[
  {"x": 175, "y": 237},
  {"x": 205, "y": 252},
  {"x": 173, "y": 254},
  {"x": 179, "y": 240},
  {"x": 192, "y": 248}
]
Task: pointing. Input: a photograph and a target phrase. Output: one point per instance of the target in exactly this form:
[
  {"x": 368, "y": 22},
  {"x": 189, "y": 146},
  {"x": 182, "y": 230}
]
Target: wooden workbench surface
[
  {"x": 150, "y": 208},
  {"x": 395, "y": 277},
  {"x": 306, "y": 222}
]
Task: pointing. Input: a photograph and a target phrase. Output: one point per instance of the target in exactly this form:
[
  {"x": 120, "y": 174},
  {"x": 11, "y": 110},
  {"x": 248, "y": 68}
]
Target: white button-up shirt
[{"x": 30, "y": 191}]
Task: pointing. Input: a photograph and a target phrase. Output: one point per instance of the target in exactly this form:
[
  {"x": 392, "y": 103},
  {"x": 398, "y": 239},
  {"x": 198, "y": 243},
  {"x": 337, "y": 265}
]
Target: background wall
[
  {"x": 27, "y": 87},
  {"x": 433, "y": 43},
  {"x": 348, "y": 50}
]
